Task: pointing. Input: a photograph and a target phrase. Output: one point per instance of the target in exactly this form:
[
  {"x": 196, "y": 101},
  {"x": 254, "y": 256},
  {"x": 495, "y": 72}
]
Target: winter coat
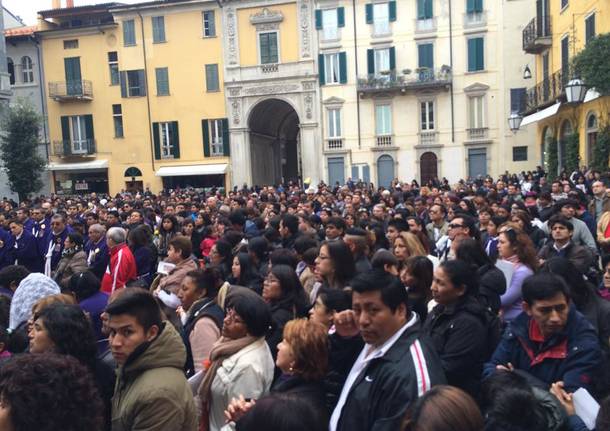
[
  {"x": 572, "y": 356},
  {"x": 151, "y": 392},
  {"x": 580, "y": 256},
  {"x": 459, "y": 335},
  {"x": 202, "y": 328},
  {"x": 171, "y": 282},
  {"x": 121, "y": 269},
  {"x": 70, "y": 264},
  {"x": 97, "y": 257},
  {"x": 492, "y": 285},
  {"x": 25, "y": 252}
]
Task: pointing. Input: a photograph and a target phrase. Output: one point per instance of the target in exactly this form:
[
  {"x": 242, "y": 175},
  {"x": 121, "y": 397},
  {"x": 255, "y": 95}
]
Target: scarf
[
  {"x": 221, "y": 350},
  {"x": 514, "y": 259}
]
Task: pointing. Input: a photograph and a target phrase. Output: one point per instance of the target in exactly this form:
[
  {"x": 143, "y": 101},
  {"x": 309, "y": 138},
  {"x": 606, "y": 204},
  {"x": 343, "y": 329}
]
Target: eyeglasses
[
  {"x": 455, "y": 226},
  {"x": 232, "y": 317}
]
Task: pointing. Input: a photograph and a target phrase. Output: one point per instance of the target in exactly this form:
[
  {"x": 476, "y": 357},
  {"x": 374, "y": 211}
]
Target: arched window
[
  {"x": 11, "y": 69},
  {"x": 592, "y": 129},
  {"x": 27, "y": 70},
  {"x": 565, "y": 131}
]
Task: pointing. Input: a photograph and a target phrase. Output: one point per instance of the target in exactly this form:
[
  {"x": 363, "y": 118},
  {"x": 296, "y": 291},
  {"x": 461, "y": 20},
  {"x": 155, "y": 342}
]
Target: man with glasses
[
  {"x": 438, "y": 226},
  {"x": 53, "y": 243}
]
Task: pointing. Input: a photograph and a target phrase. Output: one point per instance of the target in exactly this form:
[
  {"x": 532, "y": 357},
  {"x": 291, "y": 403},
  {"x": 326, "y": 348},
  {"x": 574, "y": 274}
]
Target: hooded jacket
[
  {"x": 121, "y": 269},
  {"x": 151, "y": 392}
]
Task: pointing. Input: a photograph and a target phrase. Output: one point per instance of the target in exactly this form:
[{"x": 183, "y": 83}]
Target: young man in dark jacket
[
  {"x": 550, "y": 340},
  {"x": 395, "y": 366}
]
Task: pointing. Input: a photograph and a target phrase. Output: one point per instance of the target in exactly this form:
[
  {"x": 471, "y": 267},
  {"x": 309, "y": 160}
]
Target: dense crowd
[{"x": 482, "y": 305}]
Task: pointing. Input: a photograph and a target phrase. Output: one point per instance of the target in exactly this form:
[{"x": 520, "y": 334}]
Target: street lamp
[
  {"x": 514, "y": 121},
  {"x": 527, "y": 73},
  {"x": 575, "y": 91}
]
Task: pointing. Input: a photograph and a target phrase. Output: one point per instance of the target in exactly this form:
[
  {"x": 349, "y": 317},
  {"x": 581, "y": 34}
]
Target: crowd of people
[{"x": 482, "y": 305}]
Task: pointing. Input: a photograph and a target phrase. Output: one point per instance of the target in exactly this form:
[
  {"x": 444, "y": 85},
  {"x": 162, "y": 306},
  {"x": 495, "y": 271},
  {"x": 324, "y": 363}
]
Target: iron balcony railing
[
  {"x": 421, "y": 78},
  {"x": 537, "y": 34},
  {"x": 547, "y": 91},
  {"x": 68, "y": 148},
  {"x": 71, "y": 90}
]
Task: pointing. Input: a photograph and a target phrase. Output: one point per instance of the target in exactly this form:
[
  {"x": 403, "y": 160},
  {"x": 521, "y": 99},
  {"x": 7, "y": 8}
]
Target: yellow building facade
[
  {"x": 559, "y": 31},
  {"x": 135, "y": 96}
]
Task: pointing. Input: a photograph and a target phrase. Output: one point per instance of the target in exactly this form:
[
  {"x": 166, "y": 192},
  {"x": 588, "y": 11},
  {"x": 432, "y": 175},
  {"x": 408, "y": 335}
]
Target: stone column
[
  {"x": 311, "y": 152},
  {"x": 241, "y": 168}
]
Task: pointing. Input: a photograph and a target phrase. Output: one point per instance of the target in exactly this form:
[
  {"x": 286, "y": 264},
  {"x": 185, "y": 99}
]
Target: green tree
[
  {"x": 601, "y": 150},
  {"x": 552, "y": 161},
  {"x": 18, "y": 150},
  {"x": 572, "y": 155},
  {"x": 593, "y": 66}
]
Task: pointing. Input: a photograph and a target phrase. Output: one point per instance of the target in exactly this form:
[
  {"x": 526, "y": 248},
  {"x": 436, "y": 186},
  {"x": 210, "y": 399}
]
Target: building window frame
[
  {"x": 216, "y": 138},
  {"x": 212, "y": 85},
  {"x": 332, "y": 64},
  {"x": 117, "y": 120},
  {"x": 78, "y": 134},
  {"x": 477, "y": 118},
  {"x": 330, "y": 17},
  {"x": 427, "y": 115},
  {"x": 590, "y": 22},
  {"x": 10, "y": 65},
  {"x": 158, "y": 29},
  {"x": 209, "y": 23},
  {"x": 475, "y": 68},
  {"x": 520, "y": 153},
  {"x": 27, "y": 70},
  {"x": 378, "y": 59},
  {"x": 166, "y": 140},
  {"x": 334, "y": 129},
  {"x": 162, "y": 81},
  {"x": 381, "y": 25},
  {"x": 71, "y": 44},
  {"x": 383, "y": 122},
  {"x": 591, "y": 130},
  {"x": 113, "y": 68},
  {"x": 260, "y": 34},
  {"x": 129, "y": 32}
]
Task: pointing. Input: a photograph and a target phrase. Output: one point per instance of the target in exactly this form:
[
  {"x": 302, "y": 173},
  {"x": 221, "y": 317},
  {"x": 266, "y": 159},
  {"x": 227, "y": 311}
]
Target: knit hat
[{"x": 32, "y": 288}]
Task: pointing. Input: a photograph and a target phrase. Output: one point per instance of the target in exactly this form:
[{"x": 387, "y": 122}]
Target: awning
[
  {"x": 179, "y": 171},
  {"x": 541, "y": 115},
  {"x": 591, "y": 95},
  {"x": 81, "y": 166}
]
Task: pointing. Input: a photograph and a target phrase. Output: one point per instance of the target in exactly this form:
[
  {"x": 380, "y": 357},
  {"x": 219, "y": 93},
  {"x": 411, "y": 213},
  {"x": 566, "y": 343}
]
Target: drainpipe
[
  {"x": 152, "y": 152},
  {"x": 356, "y": 67},
  {"x": 451, "y": 65}
]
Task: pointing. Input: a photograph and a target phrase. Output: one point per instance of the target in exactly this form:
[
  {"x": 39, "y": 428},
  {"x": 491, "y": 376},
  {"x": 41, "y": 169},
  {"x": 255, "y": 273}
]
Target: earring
[{"x": 291, "y": 369}]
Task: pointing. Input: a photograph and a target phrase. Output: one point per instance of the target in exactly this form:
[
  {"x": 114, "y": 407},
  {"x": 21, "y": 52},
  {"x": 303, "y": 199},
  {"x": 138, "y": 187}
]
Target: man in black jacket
[
  {"x": 562, "y": 245},
  {"x": 395, "y": 366}
]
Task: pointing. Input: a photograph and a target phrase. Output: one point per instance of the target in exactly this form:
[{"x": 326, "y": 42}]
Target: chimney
[{"x": 56, "y": 4}]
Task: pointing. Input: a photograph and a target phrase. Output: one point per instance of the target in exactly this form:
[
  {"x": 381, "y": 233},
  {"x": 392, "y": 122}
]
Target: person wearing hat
[{"x": 582, "y": 235}]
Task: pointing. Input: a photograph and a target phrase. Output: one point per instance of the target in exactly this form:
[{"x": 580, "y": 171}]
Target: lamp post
[
  {"x": 575, "y": 90},
  {"x": 527, "y": 73},
  {"x": 514, "y": 121}
]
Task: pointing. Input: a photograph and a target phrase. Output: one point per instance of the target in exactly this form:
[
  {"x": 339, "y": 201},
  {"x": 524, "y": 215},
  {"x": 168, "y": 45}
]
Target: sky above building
[{"x": 26, "y": 9}]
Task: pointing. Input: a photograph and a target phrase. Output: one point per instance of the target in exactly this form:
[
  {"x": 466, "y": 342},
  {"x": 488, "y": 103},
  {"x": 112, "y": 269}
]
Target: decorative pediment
[
  {"x": 477, "y": 87},
  {"x": 266, "y": 16},
  {"x": 334, "y": 101}
]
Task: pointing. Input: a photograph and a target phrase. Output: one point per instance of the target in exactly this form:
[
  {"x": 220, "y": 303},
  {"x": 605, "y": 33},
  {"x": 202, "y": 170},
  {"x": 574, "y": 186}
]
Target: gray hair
[
  {"x": 117, "y": 234},
  {"x": 96, "y": 227}
]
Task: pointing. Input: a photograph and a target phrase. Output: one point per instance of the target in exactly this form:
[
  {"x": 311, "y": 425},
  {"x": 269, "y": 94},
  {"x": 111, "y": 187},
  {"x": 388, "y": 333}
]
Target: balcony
[
  {"x": 69, "y": 148},
  {"x": 383, "y": 141},
  {"x": 390, "y": 82},
  {"x": 547, "y": 92},
  {"x": 62, "y": 91},
  {"x": 427, "y": 138},
  {"x": 425, "y": 25},
  {"x": 537, "y": 35},
  {"x": 269, "y": 68},
  {"x": 475, "y": 19},
  {"x": 333, "y": 144},
  {"x": 477, "y": 133}
]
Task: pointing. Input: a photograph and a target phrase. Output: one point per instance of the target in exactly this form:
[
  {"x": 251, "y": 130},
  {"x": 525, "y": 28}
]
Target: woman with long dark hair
[
  {"x": 334, "y": 266},
  {"x": 244, "y": 273},
  {"x": 168, "y": 229},
  {"x": 416, "y": 275},
  {"x": 221, "y": 257},
  {"x": 139, "y": 244}
]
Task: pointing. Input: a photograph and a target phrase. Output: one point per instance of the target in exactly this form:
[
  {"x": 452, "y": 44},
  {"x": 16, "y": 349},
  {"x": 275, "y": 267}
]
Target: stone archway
[
  {"x": 274, "y": 143},
  {"x": 428, "y": 166}
]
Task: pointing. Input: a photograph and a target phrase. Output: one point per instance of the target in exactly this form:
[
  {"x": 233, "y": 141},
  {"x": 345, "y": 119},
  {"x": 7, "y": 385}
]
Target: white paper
[
  {"x": 165, "y": 267},
  {"x": 585, "y": 407},
  {"x": 195, "y": 381}
]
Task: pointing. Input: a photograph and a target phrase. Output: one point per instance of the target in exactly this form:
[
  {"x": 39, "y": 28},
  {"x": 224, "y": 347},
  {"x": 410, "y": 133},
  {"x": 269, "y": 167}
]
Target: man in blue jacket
[
  {"x": 550, "y": 340},
  {"x": 98, "y": 255},
  {"x": 25, "y": 248},
  {"x": 394, "y": 368},
  {"x": 52, "y": 245}
]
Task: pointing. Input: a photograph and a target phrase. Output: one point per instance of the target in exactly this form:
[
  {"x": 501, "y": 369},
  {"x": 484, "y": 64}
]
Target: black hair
[
  {"x": 291, "y": 222},
  {"x": 76, "y": 238},
  {"x": 208, "y": 279},
  {"x": 293, "y": 294},
  {"x": 175, "y": 225},
  {"x": 12, "y": 274},
  {"x": 541, "y": 286},
  {"x": 237, "y": 217},
  {"x": 259, "y": 247},
  {"x": 247, "y": 272},
  {"x": 337, "y": 222},
  {"x": 343, "y": 261},
  {"x": 84, "y": 285},
  {"x": 469, "y": 222},
  {"x": 4, "y": 336},
  {"x": 383, "y": 257},
  {"x": 284, "y": 256},
  {"x": 309, "y": 256},
  {"x": 5, "y": 310},
  {"x": 393, "y": 293},
  {"x": 605, "y": 262},
  {"x": 138, "y": 237},
  {"x": 334, "y": 299},
  {"x": 50, "y": 392},
  {"x": 252, "y": 308},
  {"x": 498, "y": 220},
  {"x": 138, "y": 303},
  {"x": 303, "y": 243},
  {"x": 283, "y": 412},
  {"x": 471, "y": 251},
  {"x": 71, "y": 332},
  {"x": 462, "y": 274},
  {"x": 560, "y": 219},
  {"x": 580, "y": 290}
]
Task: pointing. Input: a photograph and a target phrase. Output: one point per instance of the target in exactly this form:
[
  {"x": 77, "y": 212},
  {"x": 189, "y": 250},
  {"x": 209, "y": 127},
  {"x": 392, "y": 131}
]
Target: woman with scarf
[
  {"x": 73, "y": 260},
  {"x": 240, "y": 362}
]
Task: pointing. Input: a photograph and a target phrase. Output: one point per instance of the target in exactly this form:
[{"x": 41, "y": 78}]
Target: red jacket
[{"x": 121, "y": 270}]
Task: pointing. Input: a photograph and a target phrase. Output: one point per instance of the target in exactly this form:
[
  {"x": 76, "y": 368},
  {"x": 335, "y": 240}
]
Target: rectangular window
[
  {"x": 381, "y": 18},
  {"x": 334, "y": 123},
  {"x": 211, "y": 77},
  {"x": 162, "y": 77},
  {"x": 209, "y": 25},
  {"x": 158, "y": 25},
  {"x": 117, "y": 119},
  {"x": 113, "y": 66},
  {"x": 78, "y": 134},
  {"x": 268, "y": 47},
  {"x": 129, "y": 32},
  {"x": 424, "y": 9},
  {"x": 166, "y": 140},
  {"x": 564, "y": 4},
  {"x": 383, "y": 120},
  {"x": 216, "y": 142},
  {"x": 519, "y": 154},
  {"x": 427, "y": 115},
  {"x": 133, "y": 83},
  {"x": 71, "y": 44},
  {"x": 476, "y": 117},
  {"x": 589, "y": 27},
  {"x": 476, "y": 54},
  {"x": 331, "y": 68},
  {"x": 517, "y": 99},
  {"x": 565, "y": 56},
  {"x": 382, "y": 60},
  {"x": 329, "y": 24}
]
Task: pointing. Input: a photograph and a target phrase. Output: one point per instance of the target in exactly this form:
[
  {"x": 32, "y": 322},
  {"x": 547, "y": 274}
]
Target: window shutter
[
  {"x": 321, "y": 69},
  {"x": 89, "y": 126},
  {"x": 428, "y": 9},
  {"x": 162, "y": 81},
  {"x": 470, "y": 7},
  {"x": 318, "y": 19},
  {"x": 366, "y": 174},
  {"x": 340, "y": 17},
  {"x": 156, "y": 141},
  {"x": 65, "y": 134},
  {"x": 205, "y": 128},
  {"x": 343, "y": 68},
  {"x": 421, "y": 9},
  {"x": 426, "y": 55},
  {"x": 472, "y": 55},
  {"x": 370, "y": 61},
  {"x": 226, "y": 144},
  {"x": 480, "y": 54},
  {"x": 123, "y": 84},
  {"x": 392, "y": 58},
  {"x": 369, "y": 13},
  {"x": 392, "y": 10},
  {"x": 354, "y": 173},
  {"x": 142, "y": 81},
  {"x": 478, "y": 5},
  {"x": 212, "y": 23},
  {"x": 176, "y": 139}
]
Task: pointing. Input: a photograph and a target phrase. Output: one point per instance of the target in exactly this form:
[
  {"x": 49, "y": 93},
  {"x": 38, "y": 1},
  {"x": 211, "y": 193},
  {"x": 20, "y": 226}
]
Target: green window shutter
[
  {"x": 89, "y": 133},
  {"x": 426, "y": 55},
  {"x": 65, "y": 134},
  {"x": 369, "y": 13},
  {"x": 470, "y": 8},
  {"x": 480, "y": 54},
  {"x": 142, "y": 82},
  {"x": 318, "y": 19},
  {"x": 478, "y": 5},
  {"x": 226, "y": 144},
  {"x": 472, "y": 55},
  {"x": 340, "y": 17},
  {"x": 206, "y": 137},
  {"x": 366, "y": 174},
  {"x": 273, "y": 54},
  {"x": 428, "y": 9},
  {"x": 392, "y": 10},
  {"x": 176, "y": 139},
  {"x": 321, "y": 69},
  {"x": 156, "y": 141},
  {"x": 343, "y": 67},
  {"x": 421, "y": 9},
  {"x": 370, "y": 61},
  {"x": 162, "y": 77},
  {"x": 392, "y": 58},
  {"x": 123, "y": 80},
  {"x": 158, "y": 25}
]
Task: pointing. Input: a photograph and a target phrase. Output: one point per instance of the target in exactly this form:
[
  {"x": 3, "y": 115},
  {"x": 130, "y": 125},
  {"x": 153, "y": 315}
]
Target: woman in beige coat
[{"x": 73, "y": 260}]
